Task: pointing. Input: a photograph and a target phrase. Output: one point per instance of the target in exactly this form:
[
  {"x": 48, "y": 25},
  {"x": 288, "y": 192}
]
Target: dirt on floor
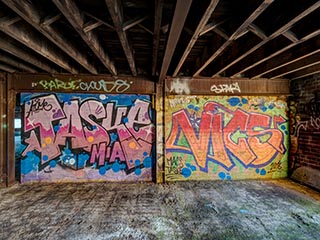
[{"x": 183, "y": 210}]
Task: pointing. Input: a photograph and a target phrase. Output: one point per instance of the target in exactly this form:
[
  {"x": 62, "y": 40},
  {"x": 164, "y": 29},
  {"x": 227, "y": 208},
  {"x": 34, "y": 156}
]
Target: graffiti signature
[{"x": 118, "y": 85}]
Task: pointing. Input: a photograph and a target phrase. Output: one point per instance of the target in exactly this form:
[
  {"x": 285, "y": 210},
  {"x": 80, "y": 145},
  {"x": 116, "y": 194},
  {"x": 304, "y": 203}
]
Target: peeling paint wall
[
  {"x": 79, "y": 137},
  {"x": 221, "y": 137}
]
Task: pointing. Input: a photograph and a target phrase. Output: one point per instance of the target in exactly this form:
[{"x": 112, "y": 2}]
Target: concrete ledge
[{"x": 308, "y": 176}]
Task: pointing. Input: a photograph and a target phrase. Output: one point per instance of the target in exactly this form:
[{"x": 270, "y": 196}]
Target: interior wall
[
  {"x": 305, "y": 130},
  {"x": 226, "y": 137},
  {"x": 77, "y": 137}
]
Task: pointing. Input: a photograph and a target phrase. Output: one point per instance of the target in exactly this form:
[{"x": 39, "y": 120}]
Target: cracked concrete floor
[{"x": 184, "y": 210}]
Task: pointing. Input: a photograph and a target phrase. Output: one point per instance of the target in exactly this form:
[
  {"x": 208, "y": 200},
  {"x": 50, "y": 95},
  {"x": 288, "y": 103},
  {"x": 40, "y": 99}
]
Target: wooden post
[
  {"x": 159, "y": 107},
  {"x": 3, "y": 138},
  {"x": 11, "y": 104}
]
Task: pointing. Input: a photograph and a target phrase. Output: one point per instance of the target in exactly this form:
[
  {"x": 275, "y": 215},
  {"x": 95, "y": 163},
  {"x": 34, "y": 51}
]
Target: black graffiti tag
[{"x": 37, "y": 105}]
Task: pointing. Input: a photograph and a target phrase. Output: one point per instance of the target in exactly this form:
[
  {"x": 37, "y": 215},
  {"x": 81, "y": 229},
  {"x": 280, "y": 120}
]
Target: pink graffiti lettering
[{"x": 107, "y": 132}]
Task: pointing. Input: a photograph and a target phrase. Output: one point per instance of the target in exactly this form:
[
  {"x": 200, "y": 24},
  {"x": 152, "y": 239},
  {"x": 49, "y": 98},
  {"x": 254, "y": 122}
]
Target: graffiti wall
[
  {"x": 220, "y": 137},
  {"x": 70, "y": 137}
]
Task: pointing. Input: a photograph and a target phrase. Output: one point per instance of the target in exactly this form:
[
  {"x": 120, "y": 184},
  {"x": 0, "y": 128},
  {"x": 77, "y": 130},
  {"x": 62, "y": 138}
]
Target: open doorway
[{"x": 17, "y": 139}]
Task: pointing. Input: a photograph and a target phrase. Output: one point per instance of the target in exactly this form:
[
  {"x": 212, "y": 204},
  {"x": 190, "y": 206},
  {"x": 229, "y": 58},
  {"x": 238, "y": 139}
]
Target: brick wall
[{"x": 305, "y": 130}]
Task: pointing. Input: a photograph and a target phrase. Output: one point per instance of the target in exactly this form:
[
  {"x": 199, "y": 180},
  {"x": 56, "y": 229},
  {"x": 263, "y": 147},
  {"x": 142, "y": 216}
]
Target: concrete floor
[{"x": 187, "y": 210}]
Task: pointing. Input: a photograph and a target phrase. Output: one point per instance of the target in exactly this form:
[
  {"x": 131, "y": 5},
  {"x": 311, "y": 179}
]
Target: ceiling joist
[
  {"x": 116, "y": 12},
  {"x": 30, "y": 14},
  {"x": 156, "y": 34},
  {"x": 37, "y": 44},
  {"x": 89, "y": 26},
  {"x": 239, "y": 31},
  {"x": 309, "y": 62},
  {"x": 280, "y": 31},
  {"x": 196, "y": 34},
  {"x": 179, "y": 18},
  {"x": 277, "y": 33},
  {"x": 314, "y": 69},
  {"x": 314, "y": 34},
  {"x": 133, "y": 22},
  {"x": 7, "y": 46},
  {"x": 76, "y": 18},
  {"x": 14, "y": 63},
  {"x": 7, "y": 68}
]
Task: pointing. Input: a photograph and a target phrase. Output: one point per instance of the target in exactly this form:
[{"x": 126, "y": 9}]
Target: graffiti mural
[
  {"x": 86, "y": 136},
  {"x": 226, "y": 138}
]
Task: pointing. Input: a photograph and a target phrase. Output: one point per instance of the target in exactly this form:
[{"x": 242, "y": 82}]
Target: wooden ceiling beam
[
  {"x": 297, "y": 66},
  {"x": 257, "y": 31},
  {"x": 50, "y": 19},
  {"x": 37, "y": 44},
  {"x": 7, "y": 46},
  {"x": 291, "y": 36},
  {"x": 7, "y": 68},
  {"x": 311, "y": 35},
  {"x": 277, "y": 33},
  {"x": 133, "y": 22},
  {"x": 305, "y": 72},
  {"x": 297, "y": 53},
  {"x": 239, "y": 31},
  {"x": 116, "y": 12},
  {"x": 179, "y": 18},
  {"x": 145, "y": 28},
  {"x": 156, "y": 34},
  {"x": 205, "y": 18},
  {"x": 14, "y": 63},
  {"x": 272, "y": 36},
  {"x": 99, "y": 20},
  {"x": 89, "y": 26},
  {"x": 28, "y": 12},
  {"x": 76, "y": 18},
  {"x": 9, "y": 20},
  {"x": 209, "y": 27}
]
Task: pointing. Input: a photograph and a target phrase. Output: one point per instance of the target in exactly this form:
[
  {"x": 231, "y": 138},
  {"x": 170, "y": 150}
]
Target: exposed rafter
[
  {"x": 276, "y": 72},
  {"x": 99, "y": 20},
  {"x": 291, "y": 36},
  {"x": 196, "y": 34},
  {"x": 89, "y": 26},
  {"x": 311, "y": 35},
  {"x": 299, "y": 65},
  {"x": 297, "y": 53},
  {"x": 116, "y": 12},
  {"x": 76, "y": 18},
  {"x": 236, "y": 34},
  {"x": 7, "y": 68},
  {"x": 257, "y": 31},
  {"x": 314, "y": 69},
  {"x": 179, "y": 18},
  {"x": 131, "y": 23},
  {"x": 156, "y": 34},
  {"x": 14, "y": 63},
  {"x": 50, "y": 19},
  {"x": 277, "y": 33},
  {"x": 37, "y": 44},
  {"x": 27, "y": 11},
  {"x": 7, "y": 46},
  {"x": 272, "y": 36},
  {"x": 209, "y": 27}
]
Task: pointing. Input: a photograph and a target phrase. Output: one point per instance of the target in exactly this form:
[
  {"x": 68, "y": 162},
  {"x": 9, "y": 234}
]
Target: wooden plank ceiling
[{"x": 154, "y": 39}]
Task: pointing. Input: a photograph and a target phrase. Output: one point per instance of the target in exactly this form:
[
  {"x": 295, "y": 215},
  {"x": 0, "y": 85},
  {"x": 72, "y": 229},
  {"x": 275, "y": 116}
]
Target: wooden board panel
[
  {"x": 226, "y": 86},
  {"x": 81, "y": 83}
]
